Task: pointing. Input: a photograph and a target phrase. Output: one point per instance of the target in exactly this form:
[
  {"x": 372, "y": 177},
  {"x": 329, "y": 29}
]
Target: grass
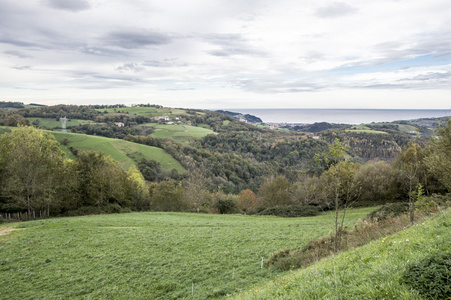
[
  {"x": 373, "y": 271},
  {"x": 366, "y": 131},
  {"x": 401, "y": 127},
  {"x": 148, "y": 255},
  {"x": 53, "y": 123},
  {"x": 180, "y": 133},
  {"x": 145, "y": 111},
  {"x": 126, "y": 153}
]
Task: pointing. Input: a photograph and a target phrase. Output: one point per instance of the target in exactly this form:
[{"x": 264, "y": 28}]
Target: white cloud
[{"x": 227, "y": 51}]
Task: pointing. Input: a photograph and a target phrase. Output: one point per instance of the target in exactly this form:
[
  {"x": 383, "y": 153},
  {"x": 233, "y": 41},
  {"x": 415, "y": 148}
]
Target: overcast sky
[{"x": 228, "y": 53}]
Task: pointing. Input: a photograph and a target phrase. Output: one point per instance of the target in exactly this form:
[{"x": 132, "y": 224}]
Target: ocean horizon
[{"x": 340, "y": 116}]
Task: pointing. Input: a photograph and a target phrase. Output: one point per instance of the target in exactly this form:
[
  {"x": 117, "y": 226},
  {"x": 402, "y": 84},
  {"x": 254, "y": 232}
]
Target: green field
[
  {"x": 373, "y": 271},
  {"x": 366, "y": 131},
  {"x": 149, "y": 255},
  {"x": 180, "y": 133},
  {"x": 145, "y": 111},
  {"x": 401, "y": 127},
  {"x": 53, "y": 123},
  {"x": 126, "y": 153}
]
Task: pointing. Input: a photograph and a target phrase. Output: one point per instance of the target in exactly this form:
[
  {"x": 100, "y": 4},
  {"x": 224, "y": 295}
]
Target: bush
[
  {"x": 426, "y": 205},
  {"x": 442, "y": 201},
  {"x": 225, "y": 204},
  {"x": 431, "y": 277},
  {"x": 388, "y": 210},
  {"x": 291, "y": 211}
]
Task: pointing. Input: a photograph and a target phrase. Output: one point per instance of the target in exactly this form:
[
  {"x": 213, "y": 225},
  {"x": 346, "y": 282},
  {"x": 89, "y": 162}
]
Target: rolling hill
[{"x": 126, "y": 153}]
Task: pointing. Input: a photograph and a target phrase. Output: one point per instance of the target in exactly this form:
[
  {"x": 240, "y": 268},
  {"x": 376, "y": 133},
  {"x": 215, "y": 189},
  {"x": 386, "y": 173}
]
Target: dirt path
[{"x": 6, "y": 230}]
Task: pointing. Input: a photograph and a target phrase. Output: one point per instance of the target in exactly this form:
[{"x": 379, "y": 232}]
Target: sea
[{"x": 341, "y": 116}]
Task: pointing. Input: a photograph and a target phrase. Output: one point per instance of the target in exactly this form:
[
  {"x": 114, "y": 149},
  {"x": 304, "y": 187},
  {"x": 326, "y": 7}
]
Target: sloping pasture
[
  {"x": 126, "y": 153},
  {"x": 148, "y": 255}
]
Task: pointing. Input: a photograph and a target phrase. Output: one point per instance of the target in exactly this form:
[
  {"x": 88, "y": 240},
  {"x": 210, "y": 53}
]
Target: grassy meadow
[
  {"x": 373, "y": 271},
  {"x": 53, "y": 123},
  {"x": 126, "y": 153},
  {"x": 149, "y": 255},
  {"x": 145, "y": 111},
  {"x": 181, "y": 133},
  {"x": 365, "y": 129}
]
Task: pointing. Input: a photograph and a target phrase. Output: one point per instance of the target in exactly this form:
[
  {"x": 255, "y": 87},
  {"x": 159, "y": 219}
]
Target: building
[{"x": 164, "y": 117}]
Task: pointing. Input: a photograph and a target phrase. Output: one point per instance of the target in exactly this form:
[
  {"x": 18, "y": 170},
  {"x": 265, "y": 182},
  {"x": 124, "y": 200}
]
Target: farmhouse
[{"x": 166, "y": 118}]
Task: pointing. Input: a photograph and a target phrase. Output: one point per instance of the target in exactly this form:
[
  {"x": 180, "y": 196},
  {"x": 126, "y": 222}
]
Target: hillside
[
  {"x": 373, "y": 271},
  {"x": 148, "y": 255},
  {"x": 126, "y": 153},
  {"x": 186, "y": 256}
]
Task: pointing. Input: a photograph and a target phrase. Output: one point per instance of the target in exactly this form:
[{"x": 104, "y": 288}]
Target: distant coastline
[{"x": 341, "y": 116}]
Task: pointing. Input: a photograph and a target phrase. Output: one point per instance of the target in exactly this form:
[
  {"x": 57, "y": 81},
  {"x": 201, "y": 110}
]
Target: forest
[{"x": 241, "y": 168}]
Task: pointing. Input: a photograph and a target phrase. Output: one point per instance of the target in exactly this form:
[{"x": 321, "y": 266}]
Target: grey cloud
[
  {"x": 101, "y": 51},
  {"x": 134, "y": 67},
  {"x": 432, "y": 76},
  {"x": 70, "y": 5},
  {"x": 230, "y": 44},
  {"x": 137, "y": 39},
  {"x": 424, "y": 81},
  {"x": 17, "y": 54},
  {"x": 167, "y": 62},
  {"x": 335, "y": 9},
  {"x": 276, "y": 86},
  {"x": 21, "y": 67},
  {"x": 16, "y": 42}
]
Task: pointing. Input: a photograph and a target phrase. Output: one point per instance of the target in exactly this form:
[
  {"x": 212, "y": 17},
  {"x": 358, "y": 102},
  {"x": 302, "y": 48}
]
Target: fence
[{"x": 21, "y": 216}]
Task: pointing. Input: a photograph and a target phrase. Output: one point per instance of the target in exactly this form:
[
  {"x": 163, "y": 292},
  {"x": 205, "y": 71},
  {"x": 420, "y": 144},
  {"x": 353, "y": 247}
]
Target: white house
[{"x": 166, "y": 118}]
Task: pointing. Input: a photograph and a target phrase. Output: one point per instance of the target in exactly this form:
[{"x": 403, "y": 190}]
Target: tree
[
  {"x": 275, "y": 191},
  {"x": 195, "y": 192},
  {"x": 341, "y": 186},
  {"x": 409, "y": 163},
  {"x": 376, "y": 180},
  {"x": 247, "y": 200},
  {"x": 136, "y": 189},
  {"x": 31, "y": 163},
  {"x": 101, "y": 180},
  {"x": 439, "y": 159},
  {"x": 342, "y": 190},
  {"x": 167, "y": 196}
]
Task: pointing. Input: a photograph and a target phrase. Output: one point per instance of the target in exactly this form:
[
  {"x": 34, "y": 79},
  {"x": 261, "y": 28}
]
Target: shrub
[
  {"x": 426, "y": 205},
  {"x": 225, "y": 204},
  {"x": 291, "y": 211},
  {"x": 388, "y": 210},
  {"x": 442, "y": 201},
  {"x": 431, "y": 277}
]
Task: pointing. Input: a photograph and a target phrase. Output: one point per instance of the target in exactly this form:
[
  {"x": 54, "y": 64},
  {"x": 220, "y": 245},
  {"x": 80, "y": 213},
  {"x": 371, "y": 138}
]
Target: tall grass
[{"x": 373, "y": 271}]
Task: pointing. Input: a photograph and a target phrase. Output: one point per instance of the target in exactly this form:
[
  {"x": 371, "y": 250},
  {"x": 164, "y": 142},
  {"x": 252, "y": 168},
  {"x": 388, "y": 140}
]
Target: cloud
[
  {"x": 21, "y": 67},
  {"x": 134, "y": 67},
  {"x": 229, "y": 45},
  {"x": 128, "y": 39},
  {"x": 70, "y": 5},
  {"x": 167, "y": 62},
  {"x": 17, "y": 54},
  {"x": 335, "y": 9}
]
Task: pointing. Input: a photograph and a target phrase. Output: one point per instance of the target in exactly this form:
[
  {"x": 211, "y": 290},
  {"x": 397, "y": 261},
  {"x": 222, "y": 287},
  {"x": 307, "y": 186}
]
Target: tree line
[{"x": 36, "y": 176}]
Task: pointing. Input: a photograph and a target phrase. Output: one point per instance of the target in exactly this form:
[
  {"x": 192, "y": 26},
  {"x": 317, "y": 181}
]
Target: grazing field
[
  {"x": 180, "y": 133},
  {"x": 145, "y": 111},
  {"x": 53, "y": 123},
  {"x": 148, "y": 255},
  {"x": 366, "y": 131},
  {"x": 126, "y": 153},
  {"x": 373, "y": 271}
]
